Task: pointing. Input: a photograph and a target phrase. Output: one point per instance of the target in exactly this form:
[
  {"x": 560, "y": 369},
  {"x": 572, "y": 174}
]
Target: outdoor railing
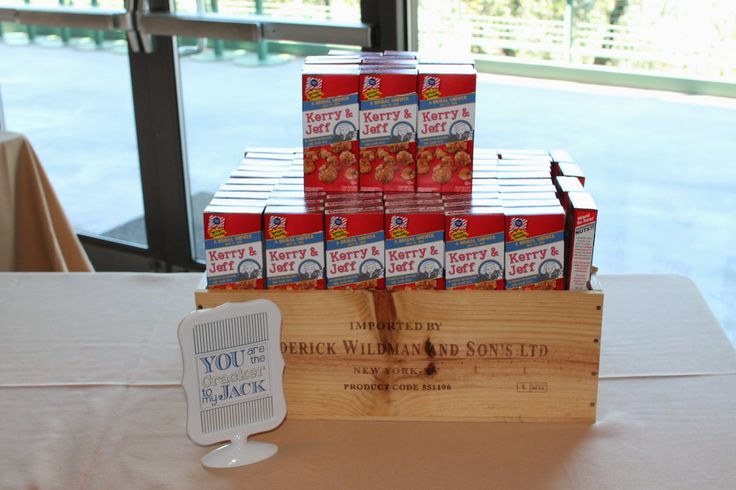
[{"x": 646, "y": 47}]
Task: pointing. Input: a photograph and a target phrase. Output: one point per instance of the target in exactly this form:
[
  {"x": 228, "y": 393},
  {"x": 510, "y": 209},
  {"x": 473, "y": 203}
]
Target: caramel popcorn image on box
[
  {"x": 330, "y": 127},
  {"x": 234, "y": 247},
  {"x": 388, "y": 113},
  {"x": 445, "y": 127}
]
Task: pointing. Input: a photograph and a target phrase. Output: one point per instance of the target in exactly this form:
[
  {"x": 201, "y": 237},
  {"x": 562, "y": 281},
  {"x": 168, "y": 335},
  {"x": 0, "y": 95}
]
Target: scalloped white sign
[{"x": 233, "y": 379}]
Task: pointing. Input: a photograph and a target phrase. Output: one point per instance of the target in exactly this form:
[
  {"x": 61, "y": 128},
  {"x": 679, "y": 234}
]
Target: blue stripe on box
[
  {"x": 536, "y": 241},
  {"x": 461, "y": 281},
  {"x": 313, "y": 105},
  {"x": 399, "y": 280},
  {"x": 446, "y": 101},
  {"x": 231, "y": 241},
  {"x": 295, "y": 241},
  {"x": 355, "y": 241},
  {"x": 479, "y": 241},
  {"x": 397, "y": 101},
  {"x": 410, "y": 241}
]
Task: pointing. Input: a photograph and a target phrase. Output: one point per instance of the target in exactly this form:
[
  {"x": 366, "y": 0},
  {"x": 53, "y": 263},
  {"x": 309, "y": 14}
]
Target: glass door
[
  {"x": 65, "y": 84},
  {"x": 139, "y": 109}
]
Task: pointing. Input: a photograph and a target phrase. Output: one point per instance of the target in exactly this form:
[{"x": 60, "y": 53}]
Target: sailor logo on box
[
  {"x": 233, "y": 247},
  {"x": 474, "y": 248},
  {"x": 355, "y": 249},
  {"x": 415, "y": 248},
  {"x": 330, "y": 127},
  {"x": 535, "y": 247},
  {"x": 445, "y": 127},
  {"x": 294, "y": 247},
  {"x": 388, "y": 113}
]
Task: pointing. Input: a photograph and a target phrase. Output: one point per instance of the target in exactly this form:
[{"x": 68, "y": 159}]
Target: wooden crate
[{"x": 521, "y": 356}]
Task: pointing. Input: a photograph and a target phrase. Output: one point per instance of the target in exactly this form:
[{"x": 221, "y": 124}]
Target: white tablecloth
[{"x": 90, "y": 397}]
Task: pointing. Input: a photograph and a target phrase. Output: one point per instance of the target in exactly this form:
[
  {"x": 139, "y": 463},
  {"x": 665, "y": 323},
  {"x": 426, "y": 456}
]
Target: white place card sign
[{"x": 233, "y": 379}]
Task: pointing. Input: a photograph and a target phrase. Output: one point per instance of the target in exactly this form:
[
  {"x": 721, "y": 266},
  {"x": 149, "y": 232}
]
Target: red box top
[
  {"x": 439, "y": 81},
  {"x": 328, "y": 81},
  {"x": 380, "y": 82}
]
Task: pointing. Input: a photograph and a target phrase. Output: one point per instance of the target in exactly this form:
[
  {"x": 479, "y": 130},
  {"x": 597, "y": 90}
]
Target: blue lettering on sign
[{"x": 224, "y": 361}]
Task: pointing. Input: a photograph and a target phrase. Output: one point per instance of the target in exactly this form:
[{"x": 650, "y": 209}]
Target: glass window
[
  {"x": 331, "y": 10},
  {"x": 74, "y": 103},
  {"x": 633, "y": 35}
]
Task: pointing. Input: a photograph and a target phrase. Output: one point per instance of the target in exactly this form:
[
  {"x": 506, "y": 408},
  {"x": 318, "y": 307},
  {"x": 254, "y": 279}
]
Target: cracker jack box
[
  {"x": 390, "y": 61},
  {"x": 330, "y": 127},
  {"x": 388, "y": 121},
  {"x": 582, "y": 220},
  {"x": 415, "y": 247},
  {"x": 412, "y": 55},
  {"x": 492, "y": 200},
  {"x": 505, "y": 169},
  {"x": 354, "y": 248},
  {"x": 568, "y": 169},
  {"x": 525, "y": 182},
  {"x": 557, "y": 157},
  {"x": 257, "y": 173},
  {"x": 229, "y": 202},
  {"x": 270, "y": 181},
  {"x": 233, "y": 247},
  {"x": 566, "y": 185},
  {"x": 520, "y": 189},
  {"x": 245, "y": 188},
  {"x": 347, "y": 197},
  {"x": 474, "y": 248},
  {"x": 527, "y": 196},
  {"x": 294, "y": 247},
  {"x": 345, "y": 59},
  {"x": 516, "y": 153},
  {"x": 535, "y": 247},
  {"x": 536, "y": 203},
  {"x": 406, "y": 196},
  {"x": 237, "y": 194},
  {"x": 502, "y": 175},
  {"x": 363, "y": 203},
  {"x": 445, "y": 128}
]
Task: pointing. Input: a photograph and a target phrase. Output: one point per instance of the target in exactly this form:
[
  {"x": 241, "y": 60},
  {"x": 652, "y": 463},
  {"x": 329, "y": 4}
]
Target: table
[
  {"x": 90, "y": 397},
  {"x": 35, "y": 234}
]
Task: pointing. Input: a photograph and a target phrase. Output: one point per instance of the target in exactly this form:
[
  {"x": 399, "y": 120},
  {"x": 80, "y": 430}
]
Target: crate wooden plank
[{"x": 437, "y": 355}]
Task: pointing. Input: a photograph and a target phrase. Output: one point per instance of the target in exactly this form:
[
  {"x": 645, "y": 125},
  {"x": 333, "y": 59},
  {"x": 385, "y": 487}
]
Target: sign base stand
[{"x": 239, "y": 452}]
